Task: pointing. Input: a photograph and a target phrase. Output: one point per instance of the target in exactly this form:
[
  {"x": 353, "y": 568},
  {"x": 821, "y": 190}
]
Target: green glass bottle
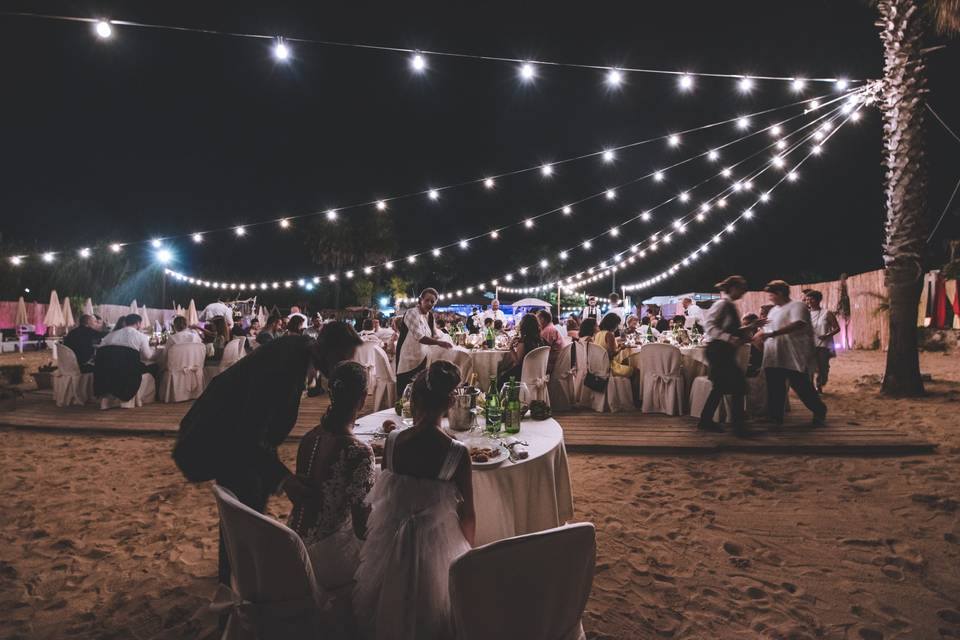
[
  {"x": 512, "y": 425},
  {"x": 493, "y": 408}
]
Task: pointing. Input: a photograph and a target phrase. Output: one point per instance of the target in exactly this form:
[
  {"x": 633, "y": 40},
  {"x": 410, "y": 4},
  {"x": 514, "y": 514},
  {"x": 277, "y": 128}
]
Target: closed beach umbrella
[
  {"x": 88, "y": 307},
  {"x": 21, "y": 312},
  {"x": 133, "y": 307},
  {"x": 68, "y": 313},
  {"x": 54, "y": 317},
  {"x": 192, "y": 317},
  {"x": 262, "y": 316},
  {"x": 145, "y": 317}
]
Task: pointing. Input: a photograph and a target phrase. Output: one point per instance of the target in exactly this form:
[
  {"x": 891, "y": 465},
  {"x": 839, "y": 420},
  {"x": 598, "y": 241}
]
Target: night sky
[{"x": 159, "y": 133}]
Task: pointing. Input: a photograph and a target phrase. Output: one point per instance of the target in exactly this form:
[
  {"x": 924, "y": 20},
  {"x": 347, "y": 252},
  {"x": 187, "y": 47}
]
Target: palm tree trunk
[{"x": 901, "y": 27}]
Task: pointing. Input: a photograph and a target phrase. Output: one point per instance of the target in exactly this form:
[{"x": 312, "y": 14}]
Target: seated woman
[
  {"x": 605, "y": 338},
  {"x": 647, "y": 331},
  {"x": 422, "y": 520},
  {"x": 217, "y": 334},
  {"x": 677, "y": 325},
  {"x": 633, "y": 326},
  {"x": 587, "y": 328},
  {"x": 573, "y": 328},
  {"x": 527, "y": 339},
  {"x": 340, "y": 469}
]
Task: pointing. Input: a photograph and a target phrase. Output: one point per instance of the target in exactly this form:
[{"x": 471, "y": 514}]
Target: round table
[{"x": 513, "y": 498}]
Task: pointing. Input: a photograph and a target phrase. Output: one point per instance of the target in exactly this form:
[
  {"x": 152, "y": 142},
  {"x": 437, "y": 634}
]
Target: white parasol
[
  {"x": 144, "y": 317},
  {"x": 21, "y": 313},
  {"x": 88, "y": 307},
  {"x": 531, "y": 302},
  {"x": 192, "y": 317},
  {"x": 262, "y": 316},
  {"x": 54, "y": 317},
  {"x": 68, "y": 313}
]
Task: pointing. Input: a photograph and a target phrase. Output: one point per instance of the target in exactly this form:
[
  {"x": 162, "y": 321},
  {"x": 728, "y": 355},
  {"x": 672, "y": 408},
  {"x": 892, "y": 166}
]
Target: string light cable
[
  {"x": 382, "y": 204},
  {"x": 418, "y": 58},
  {"x": 316, "y": 280}
]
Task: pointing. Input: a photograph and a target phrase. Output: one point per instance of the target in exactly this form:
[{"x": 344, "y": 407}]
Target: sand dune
[{"x": 101, "y": 538}]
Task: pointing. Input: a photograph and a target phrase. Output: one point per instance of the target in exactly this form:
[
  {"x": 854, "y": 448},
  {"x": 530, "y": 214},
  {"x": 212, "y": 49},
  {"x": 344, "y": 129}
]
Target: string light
[
  {"x": 611, "y": 194},
  {"x": 488, "y": 183},
  {"x": 713, "y": 155},
  {"x": 686, "y": 82},
  {"x": 528, "y": 223},
  {"x": 103, "y": 29},
  {"x": 436, "y": 254},
  {"x": 527, "y": 72},
  {"x": 240, "y": 231},
  {"x": 16, "y": 261},
  {"x": 743, "y": 123},
  {"x": 658, "y": 176},
  {"x": 116, "y": 247},
  {"x": 285, "y": 224},
  {"x": 614, "y": 77},
  {"x": 418, "y": 63},
  {"x": 331, "y": 214},
  {"x": 496, "y": 234},
  {"x": 673, "y": 140},
  {"x": 433, "y": 194},
  {"x": 547, "y": 170},
  {"x": 48, "y": 257},
  {"x": 608, "y": 156},
  {"x": 567, "y": 210},
  {"x": 156, "y": 243},
  {"x": 85, "y": 252},
  {"x": 197, "y": 237},
  {"x": 745, "y": 84},
  {"x": 281, "y": 51},
  {"x": 798, "y": 85}
]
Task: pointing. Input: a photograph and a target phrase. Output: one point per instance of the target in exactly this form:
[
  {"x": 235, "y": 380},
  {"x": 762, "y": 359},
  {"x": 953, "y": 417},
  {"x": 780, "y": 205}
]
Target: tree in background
[{"x": 903, "y": 25}]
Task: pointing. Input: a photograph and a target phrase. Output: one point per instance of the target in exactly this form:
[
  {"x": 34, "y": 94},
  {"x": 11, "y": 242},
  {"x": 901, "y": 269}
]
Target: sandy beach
[{"x": 100, "y": 537}]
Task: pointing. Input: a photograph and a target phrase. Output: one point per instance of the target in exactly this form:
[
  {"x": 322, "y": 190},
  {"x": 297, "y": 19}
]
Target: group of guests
[
  {"x": 791, "y": 342},
  {"x": 381, "y": 543}
]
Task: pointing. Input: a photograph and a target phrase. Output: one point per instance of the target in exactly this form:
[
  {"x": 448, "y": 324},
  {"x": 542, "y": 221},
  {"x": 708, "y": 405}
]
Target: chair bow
[{"x": 540, "y": 383}]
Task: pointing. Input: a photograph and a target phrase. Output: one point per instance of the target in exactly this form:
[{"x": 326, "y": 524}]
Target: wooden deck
[{"x": 585, "y": 431}]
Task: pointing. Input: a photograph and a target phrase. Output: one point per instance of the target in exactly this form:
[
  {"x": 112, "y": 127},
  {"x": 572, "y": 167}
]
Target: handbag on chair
[{"x": 595, "y": 382}]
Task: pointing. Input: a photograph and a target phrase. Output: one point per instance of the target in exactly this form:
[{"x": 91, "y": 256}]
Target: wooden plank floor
[{"x": 587, "y": 431}]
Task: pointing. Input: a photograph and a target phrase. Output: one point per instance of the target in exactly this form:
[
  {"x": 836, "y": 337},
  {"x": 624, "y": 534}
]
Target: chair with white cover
[
  {"x": 146, "y": 394},
  {"x": 381, "y": 377},
  {"x": 533, "y": 373},
  {"x": 598, "y": 363},
  {"x": 662, "y": 383},
  {"x": 70, "y": 385},
  {"x": 457, "y": 355},
  {"x": 274, "y": 592},
  {"x": 232, "y": 352},
  {"x": 561, "y": 385},
  {"x": 182, "y": 377},
  {"x": 555, "y": 566}
]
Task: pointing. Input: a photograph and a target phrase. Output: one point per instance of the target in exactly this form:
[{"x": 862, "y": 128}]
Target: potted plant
[
  {"x": 44, "y": 376},
  {"x": 8, "y": 398}
]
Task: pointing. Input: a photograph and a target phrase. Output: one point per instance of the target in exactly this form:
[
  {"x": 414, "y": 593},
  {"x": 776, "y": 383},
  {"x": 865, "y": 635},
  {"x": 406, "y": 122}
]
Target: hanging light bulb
[
  {"x": 527, "y": 72},
  {"x": 775, "y": 130},
  {"x": 798, "y": 85},
  {"x": 614, "y": 232},
  {"x": 381, "y": 205},
  {"x": 156, "y": 243},
  {"x": 546, "y": 170},
  {"x": 645, "y": 216},
  {"x": 240, "y": 231},
  {"x": 614, "y": 77},
  {"x": 841, "y": 84},
  {"x": 610, "y": 194},
  {"x": 564, "y": 255},
  {"x": 433, "y": 194},
  {"x": 686, "y": 82},
  {"x": 48, "y": 257},
  {"x": 116, "y": 247},
  {"x": 587, "y": 244},
  {"x": 464, "y": 244},
  {"x": 658, "y": 176},
  {"x": 436, "y": 253},
  {"x": 331, "y": 214},
  {"x": 488, "y": 183},
  {"x": 745, "y": 84},
  {"x": 528, "y": 223},
  {"x": 280, "y": 50},
  {"x": 84, "y": 253},
  {"x": 496, "y": 234},
  {"x": 743, "y": 123},
  {"x": 198, "y": 238},
  {"x": 284, "y": 224},
  {"x": 713, "y": 155},
  {"x": 567, "y": 210},
  {"x": 673, "y": 140},
  {"x": 103, "y": 29},
  {"x": 16, "y": 261},
  {"x": 608, "y": 156},
  {"x": 418, "y": 63},
  {"x": 684, "y": 197}
]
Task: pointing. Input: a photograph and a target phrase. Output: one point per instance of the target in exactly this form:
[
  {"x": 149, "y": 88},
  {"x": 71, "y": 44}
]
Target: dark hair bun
[
  {"x": 442, "y": 378},
  {"x": 348, "y": 382}
]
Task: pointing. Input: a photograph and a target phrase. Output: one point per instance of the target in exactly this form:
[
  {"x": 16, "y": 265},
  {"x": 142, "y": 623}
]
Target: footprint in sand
[
  {"x": 870, "y": 634},
  {"x": 892, "y": 572},
  {"x": 949, "y": 615}
]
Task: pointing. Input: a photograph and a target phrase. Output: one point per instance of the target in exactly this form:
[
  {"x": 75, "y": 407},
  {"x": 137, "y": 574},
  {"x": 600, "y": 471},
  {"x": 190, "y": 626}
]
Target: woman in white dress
[
  {"x": 422, "y": 520},
  {"x": 340, "y": 470}
]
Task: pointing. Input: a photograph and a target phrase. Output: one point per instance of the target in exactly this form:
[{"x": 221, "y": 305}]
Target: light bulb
[
  {"x": 116, "y": 247},
  {"x": 614, "y": 231},
  {"x": 686, "y": 82},
  {"x": 798, "y": 85},
  {"x": 281, "y": 51},
  {"x": 284, "y": 224},
  {"x": 745, "y": 84},
  {"x": 331, "y": 214},
  {"x": 418, "y": 63},
  {"x": 16, "y": 261},
  {"x": 645, "y": 216},
  {"x": 436, "y": 253},
  {"x": 464, "y": 244},
  {"x": 608, "y": 156},
  {"x": 842, "y": 84},
  {"x": 775, "y": 130},
  {"x": 156, "y": 243},
  {"x": 84, "y": 253},
  {"x": 684, "y": 197},
  {"x": 527, "y": 72},
  {"x": 48, "y": 256},
  {"x": 240, "y": 231},
  {"x": 433, "y": 194},
  {"x": 488, "y": 183},
  {"x": 713, "y": 156},
  {"x": 567, "y": 210},
  {"x": 743, "y": 123},
  {"x": 528, "y": 223},
  {"x": 381, "y": 205},
  {"x": 546, "y": 170},
  {"x": 673, "y": 140},
  {"x": 614, "y": 77},
  {"x": 563, "y": 255},
  {"x": 198, "y": 238},
  {"x": 610, "y": 194},
  {"x": 103, "y": 29},
  {"x": 496, "y": 234}
]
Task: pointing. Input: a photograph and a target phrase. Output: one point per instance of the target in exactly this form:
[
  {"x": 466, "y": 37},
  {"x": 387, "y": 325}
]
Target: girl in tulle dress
[
  {"x": 340, "y": 470},
  {"x": 422, "y": 520}
]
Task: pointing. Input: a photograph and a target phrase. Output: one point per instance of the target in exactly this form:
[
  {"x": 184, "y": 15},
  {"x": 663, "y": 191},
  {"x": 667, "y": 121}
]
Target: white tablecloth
[
  {"x": 516, "y": 497},
  {"x": 485, "y": 362},
  {"x": 692, "y": 359}
]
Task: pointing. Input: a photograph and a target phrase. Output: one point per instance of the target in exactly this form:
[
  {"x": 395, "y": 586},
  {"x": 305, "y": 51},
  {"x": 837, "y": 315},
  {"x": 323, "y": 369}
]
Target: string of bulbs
[{"x": 608, "y": 155}]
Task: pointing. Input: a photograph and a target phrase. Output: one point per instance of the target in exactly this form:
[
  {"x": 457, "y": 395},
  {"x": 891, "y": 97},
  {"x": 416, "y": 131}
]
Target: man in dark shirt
[{"x": 82, "y": 339}]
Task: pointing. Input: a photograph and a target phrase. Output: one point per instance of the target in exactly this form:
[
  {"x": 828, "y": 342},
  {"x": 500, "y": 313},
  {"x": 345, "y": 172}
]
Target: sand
[{"x": 101, "y": 538}]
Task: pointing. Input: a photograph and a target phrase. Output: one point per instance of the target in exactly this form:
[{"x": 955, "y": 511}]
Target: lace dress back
[
  {"x": 326, "y": 524},
  {"x": 413, "y": 537}
]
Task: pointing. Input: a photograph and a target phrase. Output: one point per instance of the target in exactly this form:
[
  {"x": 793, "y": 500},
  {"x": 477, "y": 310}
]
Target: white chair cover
[
  {"x": 662, "y": 382},
  {"x": 182, "y": 377},
  {"x": 274, "y": 592},
  {"x": 561, "y": 384},
  {"x": 598, "y": 363},
  {"x": 534, "y": 374},
  {"x": 70, "y": 385},
  {"x": 382, "y": 379},
  {"x": 620, "y": 394},
  {"x": 146, "y": 394},
  {"x": 232, "y": 352},
  {"x": 553, "y": 569},
  {"x": 698, "y": 397},
  {"x": 457, "y": 355}
]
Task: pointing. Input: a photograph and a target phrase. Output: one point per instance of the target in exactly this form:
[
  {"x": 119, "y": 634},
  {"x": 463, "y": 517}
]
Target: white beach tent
[
  {"x": 531, "y": 302},
  {"x": 54, "y": 317},
  {"x": 68, "y": 320}
]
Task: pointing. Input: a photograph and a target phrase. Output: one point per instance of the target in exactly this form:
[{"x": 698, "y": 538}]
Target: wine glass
[{"x": 407, "y": 409}]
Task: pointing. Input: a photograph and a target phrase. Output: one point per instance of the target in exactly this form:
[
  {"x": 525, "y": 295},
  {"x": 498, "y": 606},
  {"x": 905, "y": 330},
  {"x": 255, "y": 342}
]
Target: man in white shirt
[
  {"x": 825, "y": 326},
  {"x": 787, "y": 340},
  {"x": 693, "y": 313},
  {"x": 494, "y": 313},
  {"x": 182, "y": 334},
  {"x": 130, "y": 336},
  {"x": 385, "y": 334},
  {"x": 416, "y": 332},
  {"x": 367, "y": 334},
  {"x": 615, "y": 306}
]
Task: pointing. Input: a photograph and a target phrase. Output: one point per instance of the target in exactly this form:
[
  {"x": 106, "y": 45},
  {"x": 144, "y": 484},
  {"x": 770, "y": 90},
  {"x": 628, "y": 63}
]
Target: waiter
[
  {"x": 416, "y": 331},
  {"x": 692, "y": 313},
  {"x": 724, "y": 336},
  {"x": 591, "y": 310}
]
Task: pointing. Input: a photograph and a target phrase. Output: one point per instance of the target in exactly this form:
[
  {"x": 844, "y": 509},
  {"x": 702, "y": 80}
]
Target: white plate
[{"x": 493, "y": 462}]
